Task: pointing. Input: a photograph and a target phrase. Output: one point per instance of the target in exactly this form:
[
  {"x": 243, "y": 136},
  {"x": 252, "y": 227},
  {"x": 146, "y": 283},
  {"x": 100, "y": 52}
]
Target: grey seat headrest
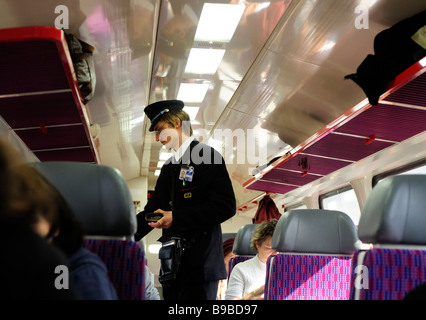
[
  {"x": 395, "y": 211},
  {"x": 315, "y": 231},
  {"x": 243, "y": 239},
  {"x": 97, "y": 194}
]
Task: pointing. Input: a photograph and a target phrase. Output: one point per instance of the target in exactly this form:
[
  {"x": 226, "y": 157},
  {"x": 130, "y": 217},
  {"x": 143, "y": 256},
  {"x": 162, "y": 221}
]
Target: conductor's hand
[{"x": 165, "y": 222}]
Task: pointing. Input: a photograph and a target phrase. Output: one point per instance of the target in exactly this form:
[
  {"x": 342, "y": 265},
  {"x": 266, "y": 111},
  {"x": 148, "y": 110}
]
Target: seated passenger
[
  {"x": 249, "y": 276},
  {"x": 27, "y": 271},
  {"x": 62, "y": 228}
]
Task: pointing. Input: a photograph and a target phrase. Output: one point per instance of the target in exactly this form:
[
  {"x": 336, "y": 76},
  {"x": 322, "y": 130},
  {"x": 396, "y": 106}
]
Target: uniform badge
[
  {"x": 186, "y": 173},
  {"x": 189, "y": 174}
]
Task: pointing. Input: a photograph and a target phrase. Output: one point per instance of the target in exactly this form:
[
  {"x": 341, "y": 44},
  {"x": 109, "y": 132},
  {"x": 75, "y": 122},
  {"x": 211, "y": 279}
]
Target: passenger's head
[
  {"x": 30, "y": 201},
  {"x": 22, "y": 195},
  {"x": 43, "y": 217},
  {"x": 28, "y": 260},
  {"x": 58, "y": 225},
  {"x": 262, "y": 238}
]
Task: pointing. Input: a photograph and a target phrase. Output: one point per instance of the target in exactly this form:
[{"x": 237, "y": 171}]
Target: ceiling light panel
[
  {"x": 204, "y": 61},
  {"x": 192, "y": 92},
  {"x": 218, "y": 22}
]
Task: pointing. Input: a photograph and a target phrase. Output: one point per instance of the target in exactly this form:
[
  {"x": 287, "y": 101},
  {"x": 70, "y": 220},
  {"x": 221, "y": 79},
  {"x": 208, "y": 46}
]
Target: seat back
[
  {"x": 242, "y": 248},
  {"x": 314, "y": 260},
  {"x": 99, "y": 197},
  {"x": 393, "y": 220},
  {"x": 125, "y": 261}
]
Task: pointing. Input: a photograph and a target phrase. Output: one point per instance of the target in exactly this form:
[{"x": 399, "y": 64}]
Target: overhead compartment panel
[{"x": 39, "y": 95}]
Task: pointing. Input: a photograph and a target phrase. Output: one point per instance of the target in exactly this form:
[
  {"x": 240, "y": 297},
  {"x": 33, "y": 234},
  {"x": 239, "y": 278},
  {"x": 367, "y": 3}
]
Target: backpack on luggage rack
[
  {"x": 395, "y": 49},
  {"x": 82, "y": 58}
]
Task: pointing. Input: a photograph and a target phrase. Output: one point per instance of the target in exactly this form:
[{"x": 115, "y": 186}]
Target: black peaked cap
[{"x": 156, "y": 109}]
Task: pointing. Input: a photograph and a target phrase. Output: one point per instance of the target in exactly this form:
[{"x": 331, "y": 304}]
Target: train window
[
  {"x": 342, "y": 200},
  {"x": 296, "y": 206},
  {"x": 413, "y": 169}
]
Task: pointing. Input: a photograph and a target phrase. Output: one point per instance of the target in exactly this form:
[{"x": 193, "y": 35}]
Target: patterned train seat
[
  {"x": 392, "y": 273},
  {"x": 308, "y": 277},
  {"x": 393, "y": 220},
  {"x": 314, "y": 261},
  {"x": 125, "y": 262}
]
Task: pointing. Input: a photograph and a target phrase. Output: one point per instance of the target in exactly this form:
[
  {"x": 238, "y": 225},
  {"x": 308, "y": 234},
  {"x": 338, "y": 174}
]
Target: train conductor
[{"x": 193, "y": 196}]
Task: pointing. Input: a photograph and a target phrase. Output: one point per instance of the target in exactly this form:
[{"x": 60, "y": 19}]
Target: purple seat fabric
[
  {"x": 392, "y": 273},
  {"x": 315, "y": 256},
  {"x": 393, "y": 220},
  {"x": 308, "y": 277},
  {"x": 125, "y": 263}
]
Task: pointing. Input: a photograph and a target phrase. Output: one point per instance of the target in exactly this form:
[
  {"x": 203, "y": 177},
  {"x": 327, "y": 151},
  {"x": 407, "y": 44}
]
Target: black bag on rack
[
  {"x": 84, "y": 67},
  {"x": 394, "y": 51}
]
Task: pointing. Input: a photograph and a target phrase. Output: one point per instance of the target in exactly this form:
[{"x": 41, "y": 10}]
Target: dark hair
[
  {"x": 35, "y": 196},
  {"x": 227, "y": 246},
  {"x": 71, "y": 231},
  {"x": 28, "y": 195},
  {"x": 65, "y": 230}
]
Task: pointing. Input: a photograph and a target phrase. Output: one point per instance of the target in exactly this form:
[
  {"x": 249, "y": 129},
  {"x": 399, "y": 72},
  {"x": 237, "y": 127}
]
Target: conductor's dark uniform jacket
[{"x": 200, "y": 205}]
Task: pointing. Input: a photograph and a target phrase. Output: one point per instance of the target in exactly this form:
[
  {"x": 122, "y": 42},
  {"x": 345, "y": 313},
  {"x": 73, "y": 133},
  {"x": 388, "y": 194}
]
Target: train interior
[{"x": 267, "y": 90}]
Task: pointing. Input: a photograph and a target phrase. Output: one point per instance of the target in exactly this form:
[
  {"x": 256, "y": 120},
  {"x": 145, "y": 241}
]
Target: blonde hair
[
  {"x": 264, "y": 230},
  {"x": 173, "y": 115}
]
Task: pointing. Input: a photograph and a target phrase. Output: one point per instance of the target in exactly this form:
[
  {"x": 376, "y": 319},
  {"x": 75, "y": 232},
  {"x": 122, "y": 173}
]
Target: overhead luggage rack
[
  {"x": 39, "y": 95},
  {"x": 358, "y": 133}
]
